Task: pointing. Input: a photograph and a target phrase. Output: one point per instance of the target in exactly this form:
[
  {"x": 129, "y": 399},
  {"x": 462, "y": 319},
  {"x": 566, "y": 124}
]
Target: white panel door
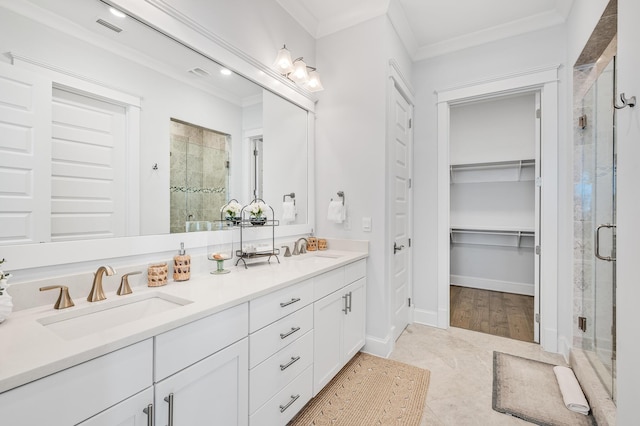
[
  {"x": 88, "y": 169},
  {"x": 401, "y": 151},
  {"x": 212, "y": 391},
  {"x": 353, "y": 338},
  {"x": 25, "y": 121}
]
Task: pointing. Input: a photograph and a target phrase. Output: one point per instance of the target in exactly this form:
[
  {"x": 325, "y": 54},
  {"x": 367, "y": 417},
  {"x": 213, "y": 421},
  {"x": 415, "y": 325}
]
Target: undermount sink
[
  {"x": 317, "y": 257},
  {"x": 100, "y": 316}
]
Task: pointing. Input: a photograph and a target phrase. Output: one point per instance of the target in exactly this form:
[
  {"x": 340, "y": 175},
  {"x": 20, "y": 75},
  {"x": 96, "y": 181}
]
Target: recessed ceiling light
[
  {"x": 225, "y": 71},
  {"x": 116, "y": 12}
]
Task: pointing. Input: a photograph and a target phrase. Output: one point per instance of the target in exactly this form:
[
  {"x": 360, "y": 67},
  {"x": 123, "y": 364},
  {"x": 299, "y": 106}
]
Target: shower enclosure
[{"x": 595, "y": 214}]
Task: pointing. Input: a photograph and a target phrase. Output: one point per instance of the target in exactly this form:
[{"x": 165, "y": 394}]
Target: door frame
[
  {"x": 397, "y": 82},
  {"x": 546, "y": 81}
]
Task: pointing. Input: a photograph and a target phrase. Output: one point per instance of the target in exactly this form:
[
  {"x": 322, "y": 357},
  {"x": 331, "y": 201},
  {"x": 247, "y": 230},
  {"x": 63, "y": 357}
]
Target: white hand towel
[
  {"x": 288, "y": 211},
  {"x": 571, "y": 391},
  {"x": 336, "y": 212}
]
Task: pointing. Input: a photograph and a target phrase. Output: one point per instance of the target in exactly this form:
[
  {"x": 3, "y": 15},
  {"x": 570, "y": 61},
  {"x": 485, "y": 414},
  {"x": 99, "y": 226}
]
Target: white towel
[
  {"x": 336, "y": 212},
  {"x": 288, "y": 211},
  {"x": 571, "y": 391}
]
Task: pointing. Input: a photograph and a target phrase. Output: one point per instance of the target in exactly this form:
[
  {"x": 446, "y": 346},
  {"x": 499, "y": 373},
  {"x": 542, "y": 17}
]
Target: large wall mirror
[{"x": 113, "y": 129}]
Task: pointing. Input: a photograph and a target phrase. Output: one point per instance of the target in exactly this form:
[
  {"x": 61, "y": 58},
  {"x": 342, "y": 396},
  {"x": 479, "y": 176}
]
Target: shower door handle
[{"x": 597, "y": 248}]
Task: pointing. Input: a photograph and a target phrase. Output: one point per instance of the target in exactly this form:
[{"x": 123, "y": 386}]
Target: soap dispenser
[{"x": 181, "y": 265}]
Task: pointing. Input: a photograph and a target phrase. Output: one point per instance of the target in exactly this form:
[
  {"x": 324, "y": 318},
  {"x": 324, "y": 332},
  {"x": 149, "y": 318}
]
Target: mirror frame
[{"x": 176, "y": 25}]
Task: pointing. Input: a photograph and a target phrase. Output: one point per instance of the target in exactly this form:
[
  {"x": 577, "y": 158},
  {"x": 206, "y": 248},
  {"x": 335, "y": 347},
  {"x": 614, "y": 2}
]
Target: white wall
[
  {"x": 351, "y": 150},
  {"x": 517, "y": 54},
  {"x": 628, "y": 295}
]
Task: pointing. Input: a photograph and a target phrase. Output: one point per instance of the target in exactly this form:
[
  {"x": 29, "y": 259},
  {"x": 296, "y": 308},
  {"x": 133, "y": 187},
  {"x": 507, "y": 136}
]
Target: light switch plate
[{"x": 366, "y": 224}]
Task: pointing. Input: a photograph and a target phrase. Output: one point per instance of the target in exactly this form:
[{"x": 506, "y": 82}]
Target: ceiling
[{"x": 432, "y": 27}]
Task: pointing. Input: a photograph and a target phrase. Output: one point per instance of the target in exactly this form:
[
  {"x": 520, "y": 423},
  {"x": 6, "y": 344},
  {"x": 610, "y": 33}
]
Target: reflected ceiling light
[
  {"x": 116, "y": 12},
  {"x": 297, "y": 71},
  {"x": 225, "y": 71}
]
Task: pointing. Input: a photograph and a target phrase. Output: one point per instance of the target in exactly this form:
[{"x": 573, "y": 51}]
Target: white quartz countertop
[{"x": 31, "y": 351}]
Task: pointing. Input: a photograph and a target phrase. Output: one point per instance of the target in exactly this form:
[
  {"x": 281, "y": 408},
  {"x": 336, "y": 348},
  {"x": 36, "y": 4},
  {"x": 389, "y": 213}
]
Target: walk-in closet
[{"x": 494, "y": 214}]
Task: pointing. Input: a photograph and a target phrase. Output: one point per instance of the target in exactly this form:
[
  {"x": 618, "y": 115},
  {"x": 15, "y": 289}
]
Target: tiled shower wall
[{"x": 199, "y": 174}]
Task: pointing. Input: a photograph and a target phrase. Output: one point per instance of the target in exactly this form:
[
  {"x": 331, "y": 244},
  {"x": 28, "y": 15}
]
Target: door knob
[{"x": 397, "y": 248}]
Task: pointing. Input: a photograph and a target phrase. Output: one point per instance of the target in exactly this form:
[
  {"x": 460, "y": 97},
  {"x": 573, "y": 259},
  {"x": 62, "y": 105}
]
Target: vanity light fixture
[
  {"x": 297, "y": 71},
  {"x": 116, "y": 12}
]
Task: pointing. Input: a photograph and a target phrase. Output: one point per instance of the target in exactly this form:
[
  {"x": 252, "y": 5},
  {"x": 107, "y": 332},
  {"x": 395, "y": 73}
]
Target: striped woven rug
[{"x": 369, "y": 390}]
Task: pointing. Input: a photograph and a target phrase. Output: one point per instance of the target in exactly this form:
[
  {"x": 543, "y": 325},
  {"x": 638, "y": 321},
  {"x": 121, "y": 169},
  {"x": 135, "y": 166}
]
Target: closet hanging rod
[
  {"x": 493, "y": 165},
  {"x": 493, "y": 232}
]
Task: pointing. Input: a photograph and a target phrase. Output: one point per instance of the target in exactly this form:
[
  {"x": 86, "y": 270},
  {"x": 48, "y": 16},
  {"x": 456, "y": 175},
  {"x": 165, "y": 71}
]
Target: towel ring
[{"x": 291, "y": 195}]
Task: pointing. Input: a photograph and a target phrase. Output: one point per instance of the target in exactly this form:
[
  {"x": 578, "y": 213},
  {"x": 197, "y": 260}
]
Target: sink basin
[
  {"x": 317, "y": 257},
  {"x": 100, "y": 316}
]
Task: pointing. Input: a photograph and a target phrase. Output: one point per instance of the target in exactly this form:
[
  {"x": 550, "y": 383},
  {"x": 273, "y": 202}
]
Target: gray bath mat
[{"x": 529, "y": 390}]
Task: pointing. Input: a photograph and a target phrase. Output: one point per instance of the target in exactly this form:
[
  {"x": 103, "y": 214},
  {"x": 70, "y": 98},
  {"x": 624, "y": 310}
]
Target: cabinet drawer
[
  {"x": 328, "y": 282},
  {"x": 269, "y": 340},
  {"x": 271, "y": 307},
  {"x": 183, "y": 346},
  {"x": 286, "y": 403},
  {"x": 79, "y": 392},
  {"x": 354, "y": 271},
  {"x": 268, "y": 378}
]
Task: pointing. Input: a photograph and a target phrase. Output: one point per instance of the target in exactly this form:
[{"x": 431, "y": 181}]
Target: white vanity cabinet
[
  {"x": 339, "y": 320},
  {"x": 201, "y": 371},
  {"x": 80, "y": 392},
  {"x": 127, "y": 413},
  {"x": 281, "y": 354}
]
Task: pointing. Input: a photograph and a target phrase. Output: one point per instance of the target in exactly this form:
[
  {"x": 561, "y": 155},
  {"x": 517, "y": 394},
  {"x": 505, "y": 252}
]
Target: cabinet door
[
  {"x": 212, "y": 391},
  {"x": 354, "y": 321},
  {"x": 328, "y": 318},
  {"x": 127, "y": 413}
]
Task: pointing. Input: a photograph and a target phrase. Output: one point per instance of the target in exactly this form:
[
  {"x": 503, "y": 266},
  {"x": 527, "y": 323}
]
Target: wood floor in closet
[{"x": 501, "y": 314}]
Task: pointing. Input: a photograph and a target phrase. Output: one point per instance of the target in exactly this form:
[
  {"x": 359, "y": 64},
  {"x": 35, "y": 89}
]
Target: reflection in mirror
[
  {"x": 199, "y": 175},
  {"x": 150, "y": 78}
]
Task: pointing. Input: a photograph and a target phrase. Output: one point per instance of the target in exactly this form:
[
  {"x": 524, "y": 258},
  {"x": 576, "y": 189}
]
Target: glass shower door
[{"x": 599, "y": 210}]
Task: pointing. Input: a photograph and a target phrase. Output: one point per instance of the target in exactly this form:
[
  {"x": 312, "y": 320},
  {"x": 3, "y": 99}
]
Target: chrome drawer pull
[
  {"x": 169, "y": 400},
  {"x": 290, "y": 363},
  {"x": 346, "y": 305},
  {"x": 149, "y": 412},
  {"x": 290, "y": 302},
  {"x": 294, "y": 398},
  {"x": 289, "y": 333}
]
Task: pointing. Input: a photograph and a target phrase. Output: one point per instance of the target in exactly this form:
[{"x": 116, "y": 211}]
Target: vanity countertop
[{"x": 32, "y": 351}]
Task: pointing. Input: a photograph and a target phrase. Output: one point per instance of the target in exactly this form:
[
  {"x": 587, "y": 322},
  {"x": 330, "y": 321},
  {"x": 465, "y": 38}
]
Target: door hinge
[
  {"x": 227, "y": 164},
  {"x": 410, "y": 123},
  {"x": 410, "y": 183},
  {"x": 409, "y": 302},
  {"x": 538, "y": 113},
  {"x": 255, "y": 152},
  {"x": 582, "y": 323},
  {"x": 539, "y": 182},
  {"x": 538, "y": 318},
  {"x": 538, "y": 250},
  {"x": 409, "y": 242}
]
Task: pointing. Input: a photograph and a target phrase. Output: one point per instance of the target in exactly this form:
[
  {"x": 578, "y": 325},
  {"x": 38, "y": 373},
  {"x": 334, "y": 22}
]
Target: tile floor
[{"x": 461, "y": 365}]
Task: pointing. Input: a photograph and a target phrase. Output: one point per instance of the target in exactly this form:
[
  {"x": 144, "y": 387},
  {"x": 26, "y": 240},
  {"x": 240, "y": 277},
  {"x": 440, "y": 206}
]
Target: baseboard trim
[
  {"x": 424, "y": 317},
  {"x": 493, "y": 285},
  {"x": 379, "y": 347}
]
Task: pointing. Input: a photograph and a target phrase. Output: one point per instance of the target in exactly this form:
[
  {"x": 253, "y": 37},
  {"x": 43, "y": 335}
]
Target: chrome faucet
[
  {"x": 97, "y": 293},
  {"x": 302, "y": 249}
]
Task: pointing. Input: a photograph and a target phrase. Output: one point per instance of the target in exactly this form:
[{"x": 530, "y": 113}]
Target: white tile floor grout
[{"x": 461, "y": 365}]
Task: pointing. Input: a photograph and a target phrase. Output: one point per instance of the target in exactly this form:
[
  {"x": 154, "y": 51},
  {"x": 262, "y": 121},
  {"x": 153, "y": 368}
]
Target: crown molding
[{"x": 499, "y": 32}]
